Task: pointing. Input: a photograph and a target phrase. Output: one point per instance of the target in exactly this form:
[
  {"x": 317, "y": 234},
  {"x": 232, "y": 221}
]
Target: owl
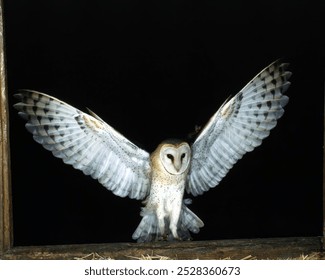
[{"x": 160, "y": 179}]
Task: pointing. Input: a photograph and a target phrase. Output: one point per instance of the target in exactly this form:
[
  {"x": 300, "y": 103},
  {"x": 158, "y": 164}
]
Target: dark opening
[{"x": 155, "y": 71}]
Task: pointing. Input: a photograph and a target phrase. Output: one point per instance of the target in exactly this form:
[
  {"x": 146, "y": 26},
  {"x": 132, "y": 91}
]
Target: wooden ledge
[{"x": 268, "y": 248}]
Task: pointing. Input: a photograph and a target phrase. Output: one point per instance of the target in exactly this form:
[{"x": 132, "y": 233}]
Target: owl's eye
[
  {"x": 170, "y": 156},
  {"x": 182, "y": 155}
]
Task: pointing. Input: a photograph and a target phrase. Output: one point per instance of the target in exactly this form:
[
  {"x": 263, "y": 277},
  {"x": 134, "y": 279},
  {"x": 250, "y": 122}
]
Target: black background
[{"x": 154, "y": 70}]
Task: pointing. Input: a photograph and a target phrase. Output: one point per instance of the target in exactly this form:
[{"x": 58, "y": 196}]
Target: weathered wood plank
[
  {"x": 324, "y": 178},
  {"x": 5, "y": 190},
  {"x": 270, "y": 248}
]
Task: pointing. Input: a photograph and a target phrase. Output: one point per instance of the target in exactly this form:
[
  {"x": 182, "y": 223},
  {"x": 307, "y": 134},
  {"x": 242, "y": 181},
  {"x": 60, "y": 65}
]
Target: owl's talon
[{"x": 163, "y": 237}]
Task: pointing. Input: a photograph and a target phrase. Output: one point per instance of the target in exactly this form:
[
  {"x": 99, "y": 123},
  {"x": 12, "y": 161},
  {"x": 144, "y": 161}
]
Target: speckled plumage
[
  {"x": 89, "y": 144},
  {"x": 165, "y": 202}
]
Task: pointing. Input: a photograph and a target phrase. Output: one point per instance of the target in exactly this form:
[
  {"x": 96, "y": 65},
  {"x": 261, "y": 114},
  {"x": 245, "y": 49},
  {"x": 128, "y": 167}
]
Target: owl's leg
[
  {"x": 161, "y": 223},
  {"x": 174, "y": 217}
]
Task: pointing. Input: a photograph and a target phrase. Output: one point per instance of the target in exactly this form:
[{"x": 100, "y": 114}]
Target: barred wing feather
[
  {"x": 87, "y": 143},
  {"x": 238, "y": 127}
]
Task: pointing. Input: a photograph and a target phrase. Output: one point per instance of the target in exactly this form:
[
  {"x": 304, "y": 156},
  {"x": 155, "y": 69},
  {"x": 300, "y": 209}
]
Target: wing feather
[
  {"x": 238, "y": 127},
  {"x": 87, "y": 143}
]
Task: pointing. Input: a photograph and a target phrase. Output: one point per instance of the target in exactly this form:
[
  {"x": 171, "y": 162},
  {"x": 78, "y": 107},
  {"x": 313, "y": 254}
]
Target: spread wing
[
  {"x": 87, "y": 143},
  {"x": 238, "y": 127}
]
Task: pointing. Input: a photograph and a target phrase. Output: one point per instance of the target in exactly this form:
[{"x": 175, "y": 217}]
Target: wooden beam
[
  {"x": 324, "y": 174},
  {"x": 269, "y": 248},
  {"x": 6, "y": 233}
]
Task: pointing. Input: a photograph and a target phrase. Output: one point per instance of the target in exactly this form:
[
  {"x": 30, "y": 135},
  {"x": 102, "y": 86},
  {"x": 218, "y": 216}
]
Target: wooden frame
[
  {"x": 6, "y": 236},
  {"x": 271, "y": 248},
  {"x": 323, "y": 240}
]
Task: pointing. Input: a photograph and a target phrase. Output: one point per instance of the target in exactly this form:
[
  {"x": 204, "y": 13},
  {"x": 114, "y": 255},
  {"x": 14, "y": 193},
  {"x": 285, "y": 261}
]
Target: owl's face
[{"x": 175, "y": 158}]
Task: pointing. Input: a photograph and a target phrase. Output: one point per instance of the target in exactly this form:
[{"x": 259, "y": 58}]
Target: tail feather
[
  {"x": 148, "y": 230},
  {"x": 188, "y": 222}
]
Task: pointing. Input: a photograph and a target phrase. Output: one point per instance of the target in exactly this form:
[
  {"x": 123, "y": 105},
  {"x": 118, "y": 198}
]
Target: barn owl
[{"x": 160, "y": 179}]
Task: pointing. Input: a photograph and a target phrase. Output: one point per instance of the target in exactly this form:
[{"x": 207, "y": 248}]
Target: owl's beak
[{"x": 178, "y": 165}]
